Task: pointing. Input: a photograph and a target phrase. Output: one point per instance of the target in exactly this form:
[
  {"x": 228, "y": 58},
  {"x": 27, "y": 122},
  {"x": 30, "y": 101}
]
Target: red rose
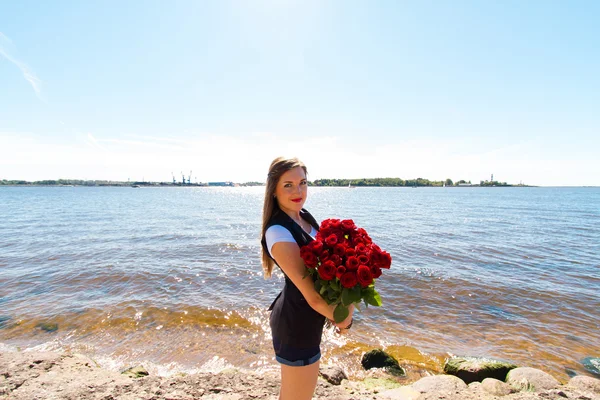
[
  {"x": 386, "y": 260},
  {"x": 365, "y": 277},
  {"x": 350, "y": 252},
  {"x": 340, "y": 249},
  {"x": 331, "y": 240},
  {"x": 341, "y": 270},
  {"x": 363, "y": 259},
  {"x": 356, "y": 240},
  {"x": 352, "y": 263},
  {"x": 337, "y": 260},
  {"x": 310, "y": 259},
  {"x": 327, "y": 270},
  {"x": 336, "y": 224},
  {"x": 376, "y": 271},
  {"x": 349, "y": 280},
  {"x": 348, "y": 225},
  {"x": 364, "y": 235},
  {"x": 361, "y": 248},
  {"x": 316, "y": 246}
]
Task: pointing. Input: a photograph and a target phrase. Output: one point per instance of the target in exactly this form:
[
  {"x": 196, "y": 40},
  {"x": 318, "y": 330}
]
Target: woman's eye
[
  {"x": 303, "y": 183},
  {"x": 287, "y": 185}
]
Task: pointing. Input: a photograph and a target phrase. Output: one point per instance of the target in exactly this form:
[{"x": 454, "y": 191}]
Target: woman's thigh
[{"x": 298, "y": 383}]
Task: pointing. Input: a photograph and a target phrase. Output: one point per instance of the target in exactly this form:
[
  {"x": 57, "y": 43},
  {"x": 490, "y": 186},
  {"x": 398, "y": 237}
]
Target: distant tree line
[
  {"x": 386, "y": 182},
  {"x": 74, "y": 182}
]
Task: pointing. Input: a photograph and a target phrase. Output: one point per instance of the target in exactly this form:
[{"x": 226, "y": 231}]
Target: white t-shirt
[{"x": 277, "y": 234}]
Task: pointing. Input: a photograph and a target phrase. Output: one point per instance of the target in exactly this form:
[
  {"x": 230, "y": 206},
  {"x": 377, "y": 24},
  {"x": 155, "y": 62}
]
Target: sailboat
[{"x": 350, "y": 186}]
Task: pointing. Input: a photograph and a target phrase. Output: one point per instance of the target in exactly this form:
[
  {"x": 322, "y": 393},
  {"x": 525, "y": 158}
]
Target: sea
[{"x": 170, "y": 277}]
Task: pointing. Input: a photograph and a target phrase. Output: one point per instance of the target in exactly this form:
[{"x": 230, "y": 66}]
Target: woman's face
[{"x": 291, "y": 190}]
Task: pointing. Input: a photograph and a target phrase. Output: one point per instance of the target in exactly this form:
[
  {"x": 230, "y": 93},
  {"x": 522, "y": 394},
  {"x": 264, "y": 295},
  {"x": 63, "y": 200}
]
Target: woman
[{"x": 298, "y": 312}]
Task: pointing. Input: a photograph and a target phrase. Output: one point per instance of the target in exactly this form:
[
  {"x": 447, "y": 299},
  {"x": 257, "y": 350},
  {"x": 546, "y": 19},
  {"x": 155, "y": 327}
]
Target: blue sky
[{"x": 433, "y": 89}]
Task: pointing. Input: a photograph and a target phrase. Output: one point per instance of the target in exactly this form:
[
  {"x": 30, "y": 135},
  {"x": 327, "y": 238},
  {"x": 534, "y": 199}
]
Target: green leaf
[
  {"x": 346, "y": 297},
  {"x": 340, "y": 313},
  {"x": 374, "y": 299},
  {"x": 323, "y": 290},
  {"x": 354, "y": 294}
]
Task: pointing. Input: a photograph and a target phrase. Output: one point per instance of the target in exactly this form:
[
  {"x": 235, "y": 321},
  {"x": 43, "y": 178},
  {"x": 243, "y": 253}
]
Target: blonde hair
[{"x": 278, "y": 167}]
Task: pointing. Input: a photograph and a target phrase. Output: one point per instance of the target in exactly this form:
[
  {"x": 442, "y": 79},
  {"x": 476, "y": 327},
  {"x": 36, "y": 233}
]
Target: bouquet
[{"x": 344, "y": 263}]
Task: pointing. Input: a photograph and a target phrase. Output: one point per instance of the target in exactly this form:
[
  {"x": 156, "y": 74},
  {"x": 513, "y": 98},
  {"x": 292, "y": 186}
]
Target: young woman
[{"x": 298, "y": 312}]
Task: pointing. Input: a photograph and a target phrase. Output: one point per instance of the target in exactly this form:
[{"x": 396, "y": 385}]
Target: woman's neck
[{"x": 295, "y": 215}]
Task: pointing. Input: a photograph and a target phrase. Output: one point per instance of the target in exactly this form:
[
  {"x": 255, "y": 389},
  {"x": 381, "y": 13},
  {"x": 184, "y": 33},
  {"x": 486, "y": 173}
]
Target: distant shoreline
[{"x": 349, "y": 183}]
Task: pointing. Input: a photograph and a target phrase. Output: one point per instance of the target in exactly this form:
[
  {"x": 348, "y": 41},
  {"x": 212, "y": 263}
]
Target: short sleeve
[{"x": 277, "y": 234}]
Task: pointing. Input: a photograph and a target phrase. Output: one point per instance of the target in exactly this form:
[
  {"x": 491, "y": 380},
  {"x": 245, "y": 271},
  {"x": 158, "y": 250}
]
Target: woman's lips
[{"x": 297, "y": 200}]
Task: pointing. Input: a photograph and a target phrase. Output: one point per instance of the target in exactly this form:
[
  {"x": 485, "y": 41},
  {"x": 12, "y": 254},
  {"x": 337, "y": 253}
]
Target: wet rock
[
  {"x": 496, "y": 387},
  {"x": 592, "y": 364},
  {"x": 333, "y": 375},
  {"x": 439, "y": 384},
  {"x": 530, "y": 380},
  {"x": 585, "y": 383},
  {"x": 474, "y": 369},
  {"x": 135, "y": 372},
  {"x": 48, "y": 326},
  {"x": 380, "y": 359}
]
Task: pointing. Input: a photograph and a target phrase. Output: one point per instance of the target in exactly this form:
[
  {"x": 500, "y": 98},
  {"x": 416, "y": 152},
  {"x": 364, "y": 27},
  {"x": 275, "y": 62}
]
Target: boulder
[
  {"x": 585, "y": 383},
  {"x": 496, "y": 387},
  {"x": 135, "y": 372},
  {"x": 592, "y": 364},
  {"x": 473, "y": 369},
  {"x": 333, "y": 375},
  {"x": 531, "y": 380},
  {"x": 439, "y": 383},
  {"x": 380, "y": 359}
]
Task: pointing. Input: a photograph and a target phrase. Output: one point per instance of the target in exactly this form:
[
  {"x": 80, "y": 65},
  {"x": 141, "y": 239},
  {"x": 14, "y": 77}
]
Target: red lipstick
[{"x": 298, "y": 200}]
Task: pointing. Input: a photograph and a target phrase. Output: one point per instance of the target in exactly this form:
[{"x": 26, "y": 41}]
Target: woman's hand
[{"x": 342, "y": 327}]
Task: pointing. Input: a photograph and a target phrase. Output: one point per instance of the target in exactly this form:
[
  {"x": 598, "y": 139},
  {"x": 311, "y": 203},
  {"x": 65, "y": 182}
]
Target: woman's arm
[{"x": 287, "y": 255}]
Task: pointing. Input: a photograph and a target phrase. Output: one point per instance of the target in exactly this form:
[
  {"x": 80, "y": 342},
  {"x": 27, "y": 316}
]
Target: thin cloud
[{"x": 28, "y": 74}]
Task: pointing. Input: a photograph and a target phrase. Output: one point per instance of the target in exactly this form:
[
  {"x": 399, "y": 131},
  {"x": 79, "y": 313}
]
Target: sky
[{"x": 144, "y": 90}]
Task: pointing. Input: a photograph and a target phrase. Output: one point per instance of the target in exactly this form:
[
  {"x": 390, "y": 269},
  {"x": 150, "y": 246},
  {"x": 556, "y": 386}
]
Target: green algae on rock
[{"x": 475, "y": 369}]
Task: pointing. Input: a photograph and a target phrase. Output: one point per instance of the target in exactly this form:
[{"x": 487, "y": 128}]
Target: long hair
[{"x": 278, "y": 167}]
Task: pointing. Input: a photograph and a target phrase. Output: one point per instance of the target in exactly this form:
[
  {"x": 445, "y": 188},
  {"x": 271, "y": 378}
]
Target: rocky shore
[{"x": 29, "y": 375}]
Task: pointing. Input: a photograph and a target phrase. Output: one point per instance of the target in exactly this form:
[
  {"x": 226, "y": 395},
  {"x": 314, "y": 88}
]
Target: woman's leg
[{"x": 298, "y": 383}]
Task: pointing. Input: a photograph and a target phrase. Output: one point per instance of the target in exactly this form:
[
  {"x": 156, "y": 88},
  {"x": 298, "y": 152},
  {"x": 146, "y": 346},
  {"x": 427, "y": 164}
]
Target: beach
[{"x": 51, "y": 375}]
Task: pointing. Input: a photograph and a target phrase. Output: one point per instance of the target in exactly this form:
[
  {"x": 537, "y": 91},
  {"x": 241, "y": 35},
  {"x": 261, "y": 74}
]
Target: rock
[
  {"x": 380, "y": 359},
  {"x": 592, "y": 364},
  {"x": 496, "y": 387},
  {"x": 135, "y": 372},
  {"x": 401, "y": 393},
  {"x": 48, "y": 326},
  {"x": 474, "y": 385},
  {"x": 439, "y": 383},
  {"x": 530, "y": 380},
  {"x": 471, "y": 369},
  {"x": 585, "y": 383},
  {"x": 333, "y": 375}
]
